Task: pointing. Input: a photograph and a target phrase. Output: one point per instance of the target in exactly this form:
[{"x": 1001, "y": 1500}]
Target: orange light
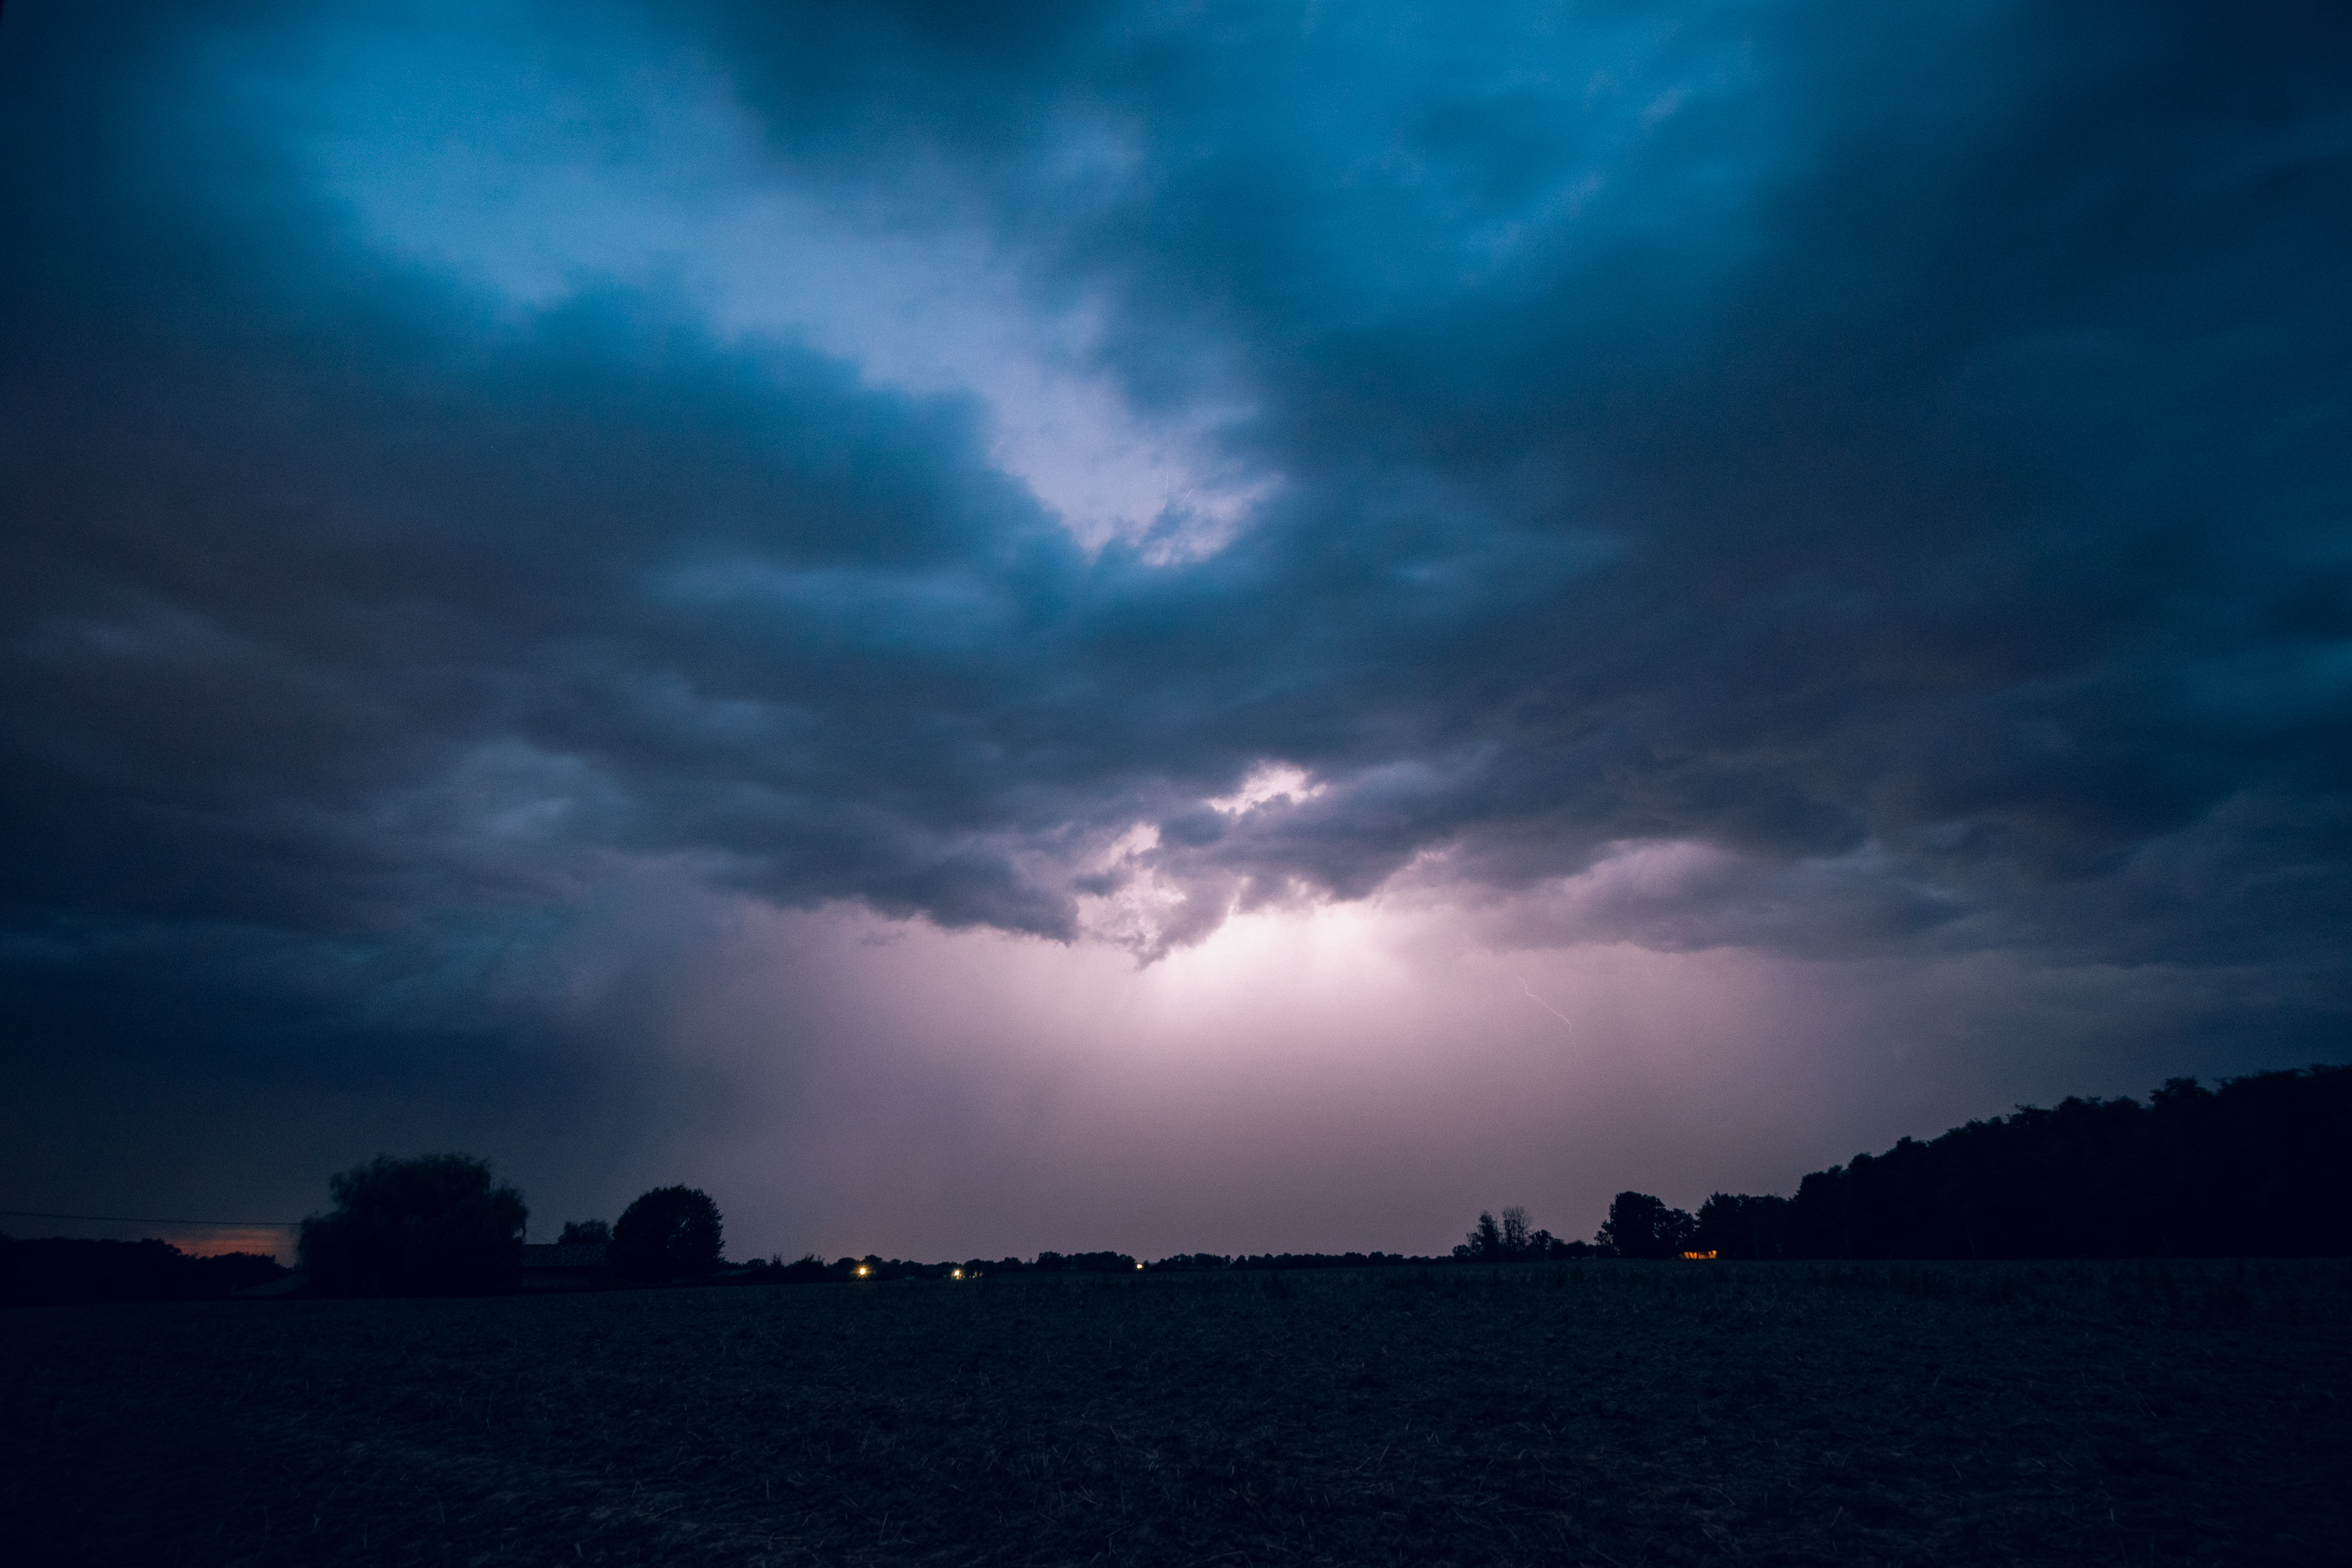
[
  {"x": 958, "y": 1274},
  {"x": 1698, "y": 1257},
  {"x": 861, "y": 1270}
]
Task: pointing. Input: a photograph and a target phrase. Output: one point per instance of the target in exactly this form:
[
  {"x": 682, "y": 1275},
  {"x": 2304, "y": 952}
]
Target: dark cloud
[{"x": 1816, "y": 478}]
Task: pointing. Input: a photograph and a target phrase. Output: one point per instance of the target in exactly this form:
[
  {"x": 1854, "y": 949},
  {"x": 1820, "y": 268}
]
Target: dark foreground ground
[{"x": 1605, "y": 1412}]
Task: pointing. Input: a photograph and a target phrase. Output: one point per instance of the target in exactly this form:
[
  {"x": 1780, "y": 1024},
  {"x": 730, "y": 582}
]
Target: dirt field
[{"x": 1613, "y": 1413}]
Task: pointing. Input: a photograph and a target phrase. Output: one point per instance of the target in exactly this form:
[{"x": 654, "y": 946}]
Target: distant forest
[
  {"x": 59, "y": 1272},
  {"x": 2261, "y": 1167}
]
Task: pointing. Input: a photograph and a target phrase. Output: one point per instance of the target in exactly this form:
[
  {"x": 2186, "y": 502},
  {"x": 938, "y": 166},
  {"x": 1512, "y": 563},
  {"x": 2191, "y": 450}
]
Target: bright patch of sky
[
  {"x": 543, "y": 168},
  {"x": 1268, "y": 782}
]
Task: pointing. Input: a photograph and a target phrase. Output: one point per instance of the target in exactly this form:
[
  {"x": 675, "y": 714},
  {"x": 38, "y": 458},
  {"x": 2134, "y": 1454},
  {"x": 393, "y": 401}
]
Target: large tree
[
  {"x": 670, "y": 1233},
  {"x": 1643, "y": 1226},
  {"x": 431, "y": 1226}
]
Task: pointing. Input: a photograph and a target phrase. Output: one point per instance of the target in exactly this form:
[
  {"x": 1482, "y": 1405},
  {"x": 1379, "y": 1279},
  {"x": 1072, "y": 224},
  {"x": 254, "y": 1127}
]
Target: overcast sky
[{"x": 1221, "y": 627}]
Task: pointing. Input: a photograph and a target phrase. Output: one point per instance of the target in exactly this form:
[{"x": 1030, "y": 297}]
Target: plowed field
[{"x": 1605, "y": 1412}]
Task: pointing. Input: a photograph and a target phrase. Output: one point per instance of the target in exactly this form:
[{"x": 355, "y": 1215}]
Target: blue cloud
[{"x": 1908, "y": 444}]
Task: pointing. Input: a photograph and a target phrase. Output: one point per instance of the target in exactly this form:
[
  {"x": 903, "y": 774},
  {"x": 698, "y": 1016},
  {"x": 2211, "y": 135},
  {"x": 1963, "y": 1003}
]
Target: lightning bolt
[{"x": 1548, "y": 1008}]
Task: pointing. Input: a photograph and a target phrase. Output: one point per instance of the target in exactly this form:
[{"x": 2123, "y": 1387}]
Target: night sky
[{"x": 1189, "y": 626}]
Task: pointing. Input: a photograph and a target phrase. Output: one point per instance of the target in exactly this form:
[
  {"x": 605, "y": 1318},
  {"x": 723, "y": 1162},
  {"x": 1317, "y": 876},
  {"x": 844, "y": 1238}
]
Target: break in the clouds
[{"x": 487, "y": 485}]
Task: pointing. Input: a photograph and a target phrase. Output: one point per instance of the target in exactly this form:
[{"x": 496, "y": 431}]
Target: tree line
[
  {"x": 2258, "y": 1166},
  {"x": 57, "y": 1271},
  {"x": 440, "y": 1224}
]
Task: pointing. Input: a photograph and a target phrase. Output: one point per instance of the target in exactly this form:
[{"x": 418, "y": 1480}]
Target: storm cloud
[{"x": 493, "y": 494}]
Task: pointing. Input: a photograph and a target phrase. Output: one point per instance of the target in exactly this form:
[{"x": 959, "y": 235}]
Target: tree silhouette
[
  {"x": 433, "y": 1225},
  {"x": 584, "y": 1232},
  {"x": 1639, "y": 1225},
  {"x": 1742, "y": 1226},
  {"x": 2254, "y": 1168},
  {"x": 1511, "y": 1240},
  {"x": 670, "y": 1233},
  {"x": 57, "y": 1270},
  {"x": 1484, "y": 1242}
]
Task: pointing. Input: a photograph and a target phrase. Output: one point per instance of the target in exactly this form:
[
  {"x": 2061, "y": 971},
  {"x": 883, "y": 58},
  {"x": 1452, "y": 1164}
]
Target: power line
[{"x": 140, "y": 1219}]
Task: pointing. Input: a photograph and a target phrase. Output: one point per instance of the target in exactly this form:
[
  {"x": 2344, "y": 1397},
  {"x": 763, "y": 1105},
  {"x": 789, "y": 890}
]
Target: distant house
[{"x": 553, "y": 1266}]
